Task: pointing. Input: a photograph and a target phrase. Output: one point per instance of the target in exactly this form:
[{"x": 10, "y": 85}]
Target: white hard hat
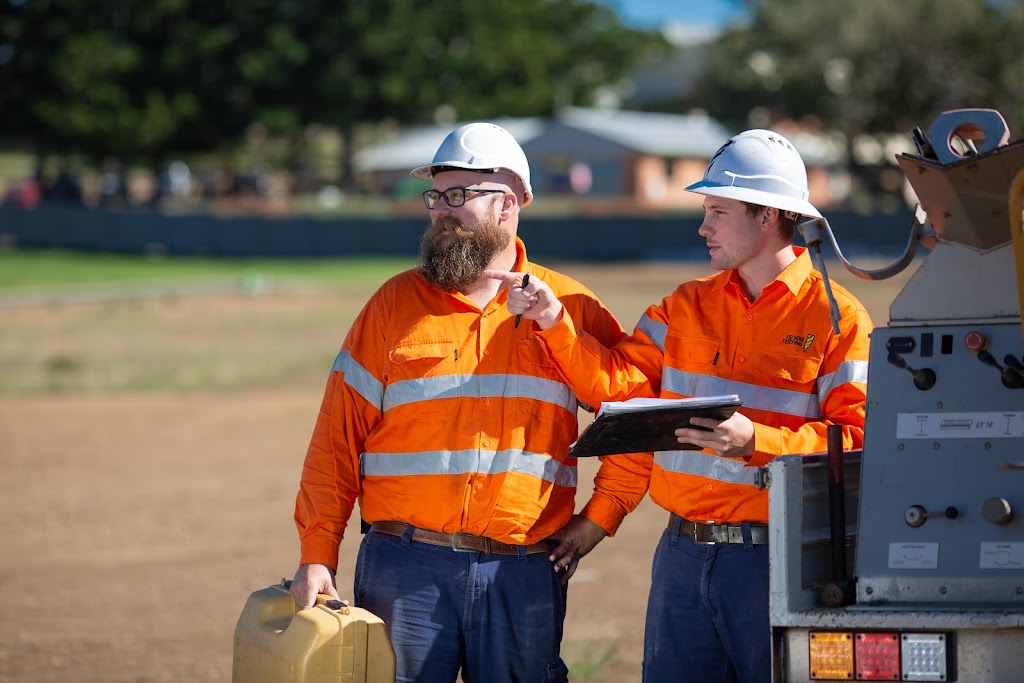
[
  {"x": 760, "y": 167},
  {"x": 480, "y": 147}
]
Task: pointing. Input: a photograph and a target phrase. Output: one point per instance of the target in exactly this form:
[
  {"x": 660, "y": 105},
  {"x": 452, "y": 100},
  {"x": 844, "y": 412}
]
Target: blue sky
[{"x": 657, "y": 13}]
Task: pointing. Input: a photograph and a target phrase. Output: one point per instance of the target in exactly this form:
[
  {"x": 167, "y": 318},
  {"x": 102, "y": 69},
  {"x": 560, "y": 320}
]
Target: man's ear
[
  {"x": 769, "y": 217},
  {"x": 509, "y": 202}
]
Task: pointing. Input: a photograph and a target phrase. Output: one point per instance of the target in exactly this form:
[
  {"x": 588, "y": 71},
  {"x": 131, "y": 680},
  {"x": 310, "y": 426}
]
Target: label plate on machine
[
  {"x": 1002, "y": 556},
  {"x": 990, "y": 425}
]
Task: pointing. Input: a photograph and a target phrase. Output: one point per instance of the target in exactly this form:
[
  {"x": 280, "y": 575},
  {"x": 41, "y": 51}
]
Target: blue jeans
[
  {"x": 707, "y": 613},
  {"x": 496, "y": 617}
]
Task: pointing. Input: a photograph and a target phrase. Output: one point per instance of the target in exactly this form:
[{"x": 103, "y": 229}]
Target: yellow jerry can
[{"x": 275, "y": 642}]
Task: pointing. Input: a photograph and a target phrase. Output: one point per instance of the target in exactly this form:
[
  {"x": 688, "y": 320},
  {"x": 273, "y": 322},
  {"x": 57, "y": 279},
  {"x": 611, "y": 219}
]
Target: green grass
[{"x": 48, "y": 269}]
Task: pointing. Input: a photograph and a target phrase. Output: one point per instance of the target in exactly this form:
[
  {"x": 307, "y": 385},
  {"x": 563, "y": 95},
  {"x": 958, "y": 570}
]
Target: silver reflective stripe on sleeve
[
  {"x": 781, "y": 401},
  {"x": 706, "y": 465},
  {"x": 849, "y": 371},
  {"x": 467, "y": 462},
  {"x": 655, "y": 330},
  {"x": 357, "y": 377}
]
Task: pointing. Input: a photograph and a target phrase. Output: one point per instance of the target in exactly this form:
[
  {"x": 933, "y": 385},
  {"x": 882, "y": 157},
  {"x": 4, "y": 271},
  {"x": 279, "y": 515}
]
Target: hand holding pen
[
  {"x": 538, "y": 303},
  {"x": 519, "y": 316}
]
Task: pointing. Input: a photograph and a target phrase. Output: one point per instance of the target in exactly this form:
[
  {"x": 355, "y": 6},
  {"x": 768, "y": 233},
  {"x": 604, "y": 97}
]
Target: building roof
[{"x": 693, "y": 135}]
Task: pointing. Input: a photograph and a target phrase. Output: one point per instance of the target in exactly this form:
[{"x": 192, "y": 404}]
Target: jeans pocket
[{"x": 363, "y": 570}]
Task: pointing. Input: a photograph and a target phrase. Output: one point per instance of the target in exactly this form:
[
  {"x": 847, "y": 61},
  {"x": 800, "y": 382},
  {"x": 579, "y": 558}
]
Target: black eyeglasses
[{"x": 455, "y": 196}]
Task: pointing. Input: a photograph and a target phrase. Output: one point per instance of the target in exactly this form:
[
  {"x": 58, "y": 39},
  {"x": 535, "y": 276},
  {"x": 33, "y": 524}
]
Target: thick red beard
[{"x": 452, "y": 257}]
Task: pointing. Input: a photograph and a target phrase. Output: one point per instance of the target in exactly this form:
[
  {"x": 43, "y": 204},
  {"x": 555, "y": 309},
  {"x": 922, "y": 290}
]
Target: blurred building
[{"x": 602, "y": 161}]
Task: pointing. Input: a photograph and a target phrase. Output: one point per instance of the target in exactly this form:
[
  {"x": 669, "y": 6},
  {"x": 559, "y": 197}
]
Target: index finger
[{"x": 506, "y": 276}]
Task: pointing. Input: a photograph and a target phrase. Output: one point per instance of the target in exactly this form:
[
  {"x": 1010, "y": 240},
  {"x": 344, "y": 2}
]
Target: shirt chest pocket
[
  {"x": 418, "y": 375},
  {"x": 420, "y": 360},
  {"x": 693, "y": 354},
  {"x": 791, "y": 368}
]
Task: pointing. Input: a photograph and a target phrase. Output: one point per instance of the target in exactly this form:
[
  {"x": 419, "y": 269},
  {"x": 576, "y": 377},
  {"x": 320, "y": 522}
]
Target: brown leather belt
[
  {"x": 461, "y": 542},
  {"x": 717, "y": 533}
]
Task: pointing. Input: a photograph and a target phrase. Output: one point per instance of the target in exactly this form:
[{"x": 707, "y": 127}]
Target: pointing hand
[{"x": 536, "y": 301}]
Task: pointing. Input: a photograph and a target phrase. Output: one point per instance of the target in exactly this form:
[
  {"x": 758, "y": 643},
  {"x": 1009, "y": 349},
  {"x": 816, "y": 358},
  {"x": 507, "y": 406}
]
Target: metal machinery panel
[{"x": 942, "y": 477}]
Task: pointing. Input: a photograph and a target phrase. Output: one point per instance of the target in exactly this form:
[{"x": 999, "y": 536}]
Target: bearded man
[{"x": 443, "y": 418}]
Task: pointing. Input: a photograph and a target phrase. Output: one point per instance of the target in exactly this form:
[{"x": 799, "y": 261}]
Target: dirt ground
[
  {"x": 136, "y": 525},
  {"x": 135, "y": 528}
]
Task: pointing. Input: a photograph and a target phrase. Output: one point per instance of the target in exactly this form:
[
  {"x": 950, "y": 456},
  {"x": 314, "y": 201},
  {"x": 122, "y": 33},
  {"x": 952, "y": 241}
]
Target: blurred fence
[{"x": 589, "y": 238}]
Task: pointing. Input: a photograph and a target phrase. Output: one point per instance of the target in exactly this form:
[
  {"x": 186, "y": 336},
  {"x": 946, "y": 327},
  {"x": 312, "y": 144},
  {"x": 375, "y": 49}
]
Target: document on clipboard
[{"x": 648, "y": 424}]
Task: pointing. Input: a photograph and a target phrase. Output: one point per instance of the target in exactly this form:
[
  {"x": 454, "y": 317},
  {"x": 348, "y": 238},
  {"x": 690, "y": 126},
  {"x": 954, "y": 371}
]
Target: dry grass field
[{"x": 150, "y": 449}]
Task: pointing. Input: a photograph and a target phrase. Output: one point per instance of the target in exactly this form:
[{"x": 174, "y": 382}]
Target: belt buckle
[
  {"x": 455, "y": 546},
  {"x": 697, "y": 526}
]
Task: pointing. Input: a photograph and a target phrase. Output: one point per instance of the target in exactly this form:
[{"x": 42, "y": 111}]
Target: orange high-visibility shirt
[
  {"x": 445, "y": 416},
  {"x": 778, "y": 353}
]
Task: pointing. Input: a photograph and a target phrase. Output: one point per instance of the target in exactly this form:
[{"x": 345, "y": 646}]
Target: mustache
[{"x": 450, "y": 224}]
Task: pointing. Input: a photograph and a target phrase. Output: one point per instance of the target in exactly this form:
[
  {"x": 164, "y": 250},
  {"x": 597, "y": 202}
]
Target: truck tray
[{"x": 277, "y": 643}]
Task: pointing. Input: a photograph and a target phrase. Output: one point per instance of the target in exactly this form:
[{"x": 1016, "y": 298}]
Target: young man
[
  {"x": 443, "y": 419},
  {"x": 760, "y": 329}
]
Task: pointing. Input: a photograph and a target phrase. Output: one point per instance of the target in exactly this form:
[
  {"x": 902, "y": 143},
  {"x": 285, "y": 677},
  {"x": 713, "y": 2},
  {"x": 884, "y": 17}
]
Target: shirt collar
[
  {"x": 522, "y": 263},
  {"x": 797, "y": 272},
  {"x": 793, "y": 277}
]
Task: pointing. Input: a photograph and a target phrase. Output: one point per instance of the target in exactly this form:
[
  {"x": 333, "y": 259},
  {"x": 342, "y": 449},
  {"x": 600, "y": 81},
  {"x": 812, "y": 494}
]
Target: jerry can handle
[{"x": 332, "y": 603}]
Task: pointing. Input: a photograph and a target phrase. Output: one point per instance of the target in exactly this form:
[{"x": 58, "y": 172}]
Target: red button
[
  {"x": 487, "y": 401},
  {"x": 742, "y": 359},
  {"x": 975, "y": 341},
  {"x": 750, "y": 317}
]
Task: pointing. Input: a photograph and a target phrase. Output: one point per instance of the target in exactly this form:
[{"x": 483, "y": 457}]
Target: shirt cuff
[
  {"x": 767, "y": 445},
  {"x": 320, "y": 550},
  {"x": 604, "y": 513},
  {"x": 561, "y": 335}
]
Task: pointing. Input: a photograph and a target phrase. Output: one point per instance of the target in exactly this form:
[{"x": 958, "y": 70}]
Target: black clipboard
[{"x": 642, "y": 425}]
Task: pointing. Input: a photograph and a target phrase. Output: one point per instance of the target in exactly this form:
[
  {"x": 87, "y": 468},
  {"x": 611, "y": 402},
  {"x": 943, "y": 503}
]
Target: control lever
[
  {"x": 1012, "y": 379},
  {"x": 924, "y": 379},
  {"x": 916, "y": 515},
  {"x": 1013, "y": 364}
]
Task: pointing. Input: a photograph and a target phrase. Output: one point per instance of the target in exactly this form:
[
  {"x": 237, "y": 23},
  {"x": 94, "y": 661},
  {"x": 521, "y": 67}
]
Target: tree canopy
[{"x": 137, "y": 80}]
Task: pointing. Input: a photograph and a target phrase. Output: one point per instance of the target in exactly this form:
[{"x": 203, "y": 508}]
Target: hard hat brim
[
  {"x": 427, "y": 172},
  {"x": 743, "y": 194}
]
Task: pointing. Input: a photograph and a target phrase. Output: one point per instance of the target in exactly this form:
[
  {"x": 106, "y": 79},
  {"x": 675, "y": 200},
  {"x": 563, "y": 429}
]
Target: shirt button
[
  {"x": 750, "y": 317},
  {"x": 742, "y": 359},
  {"x": 711, "y": 487},
  {"x": 487, "y": 352},
  {"x": 487, "y": 401},
  {"x": 487, "y": 443},
  {"x": 479, "y": 486}
]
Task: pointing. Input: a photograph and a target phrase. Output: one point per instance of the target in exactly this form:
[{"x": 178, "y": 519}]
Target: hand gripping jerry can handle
[{"x": 275, "y": 642}]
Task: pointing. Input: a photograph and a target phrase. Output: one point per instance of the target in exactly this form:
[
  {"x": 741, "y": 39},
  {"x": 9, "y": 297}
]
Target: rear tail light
[
  {"x": 924, "y": 657},
  {"x": 831, "y": 656},
  {"x": 877, "y": 656}
]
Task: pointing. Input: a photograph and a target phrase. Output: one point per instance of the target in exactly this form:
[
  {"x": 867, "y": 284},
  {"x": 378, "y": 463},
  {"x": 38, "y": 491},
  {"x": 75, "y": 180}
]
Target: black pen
[{"x": 526, "y": 281}]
